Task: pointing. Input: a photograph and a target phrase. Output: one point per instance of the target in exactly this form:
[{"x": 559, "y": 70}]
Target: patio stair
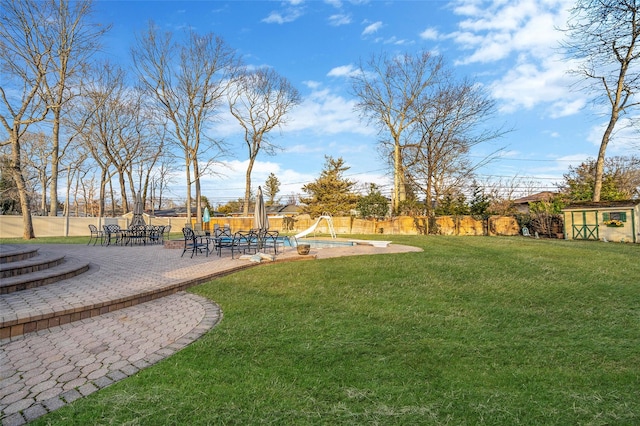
[{"x": 23, "y": 267}]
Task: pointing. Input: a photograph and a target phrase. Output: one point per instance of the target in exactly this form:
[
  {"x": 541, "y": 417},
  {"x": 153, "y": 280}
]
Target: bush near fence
[{"x": 44, "y": 226}]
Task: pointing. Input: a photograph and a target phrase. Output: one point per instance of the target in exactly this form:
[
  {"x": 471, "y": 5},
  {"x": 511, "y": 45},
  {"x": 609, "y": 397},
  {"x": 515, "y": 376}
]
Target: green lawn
[{"x": 474, "y": 330}]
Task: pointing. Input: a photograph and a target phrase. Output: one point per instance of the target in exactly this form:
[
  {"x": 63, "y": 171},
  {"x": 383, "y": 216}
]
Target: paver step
[
  {"x": 70, "y": 267},
  {"x": 14, "y": 253},
  {"x": 44, "y": 260}
]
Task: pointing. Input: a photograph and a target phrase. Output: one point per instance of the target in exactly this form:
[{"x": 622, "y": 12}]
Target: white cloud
[
  {"x": 529, "y": 84},
  {"x": 496, "y": 31},
  {"x": 325, "y": 113},
  {"x": 339, "y": 19},
  {"x": 372, "y": 28},
  {"x": 567, "y": 107},
  {"x": 274, "y": 18},
  {"x": 493, "y": 30},
  {"x": 343, "y": 71},
  {"x": 312, "y": 84},
  {"x": 398, "y": 42},
  {"x": 289, "y": 15},
  {"x": 430, "y": 34}
]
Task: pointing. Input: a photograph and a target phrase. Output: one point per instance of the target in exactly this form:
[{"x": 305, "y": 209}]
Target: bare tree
[
  {"x": 73, "y": 41},
  {"x": 73, "y": 170},
  {"x": 85, "y": 187},
  {"x": 97, "y": 121},
  {"x": 160, "y": 181},
  {"x": 144, "y": 164},
  {"x": 260, "y": 101},
  {"x": 35, "y": 150},
  {"x": 603, "y": 37},
  {"x": 188, "y": 81},
  {"x": 389, "y": 91},
  {"x": 25, "y": 60},
  {"x": 448, "y": 120}
]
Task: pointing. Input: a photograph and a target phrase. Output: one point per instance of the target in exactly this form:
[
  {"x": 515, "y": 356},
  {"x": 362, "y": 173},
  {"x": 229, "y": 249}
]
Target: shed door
[{"x": 585, "y": 225}]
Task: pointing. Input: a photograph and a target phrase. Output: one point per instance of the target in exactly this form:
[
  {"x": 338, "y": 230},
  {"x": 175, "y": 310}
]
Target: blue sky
[{"x": 509, "y": 46}]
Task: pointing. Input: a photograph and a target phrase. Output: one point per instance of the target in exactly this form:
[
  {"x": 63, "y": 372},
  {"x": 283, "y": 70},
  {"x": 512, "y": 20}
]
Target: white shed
[{"x": 617, "y": 221}]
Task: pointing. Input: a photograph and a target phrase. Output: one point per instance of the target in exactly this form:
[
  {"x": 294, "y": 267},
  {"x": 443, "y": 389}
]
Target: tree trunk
[
  {"x": 428, "y": 203},
  {"x": 399, "y": 194},
  {"x": 123, "y": 192},
  {"x": 597, "y": 187},
  {"x": 55, "y": 159},
  {"x": 16, "y": 169},
  {"x": 188, "y": 171},
  {"x": 43, "y": 196},
  {"x": 196, "y": 175},
  {"x": 247, "y": 186}
]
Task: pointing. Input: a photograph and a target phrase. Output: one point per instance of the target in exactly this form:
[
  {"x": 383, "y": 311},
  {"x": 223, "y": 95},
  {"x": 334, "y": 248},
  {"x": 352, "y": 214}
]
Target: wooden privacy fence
[{"x": 44, "y": 226}]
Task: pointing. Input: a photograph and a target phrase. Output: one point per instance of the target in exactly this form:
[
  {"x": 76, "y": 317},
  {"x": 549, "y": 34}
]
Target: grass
[
  {"x": 473, "y": 330},
  {"x": 46, "y": 240}
]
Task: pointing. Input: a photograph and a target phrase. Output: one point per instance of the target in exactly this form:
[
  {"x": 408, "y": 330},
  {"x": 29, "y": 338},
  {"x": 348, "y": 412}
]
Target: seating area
[
  {"x": 238, "y": 243},
  {"x": 196, "y": 240},
  {"x": 248, "y": 242},
  {"x": 137, "y": 234}
]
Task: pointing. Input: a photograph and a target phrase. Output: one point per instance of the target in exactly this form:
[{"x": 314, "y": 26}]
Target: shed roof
[{"x": 582, "y": 205}]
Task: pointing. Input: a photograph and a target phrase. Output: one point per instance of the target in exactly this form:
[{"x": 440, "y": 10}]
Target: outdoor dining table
[{"x": 137, "y": 233}]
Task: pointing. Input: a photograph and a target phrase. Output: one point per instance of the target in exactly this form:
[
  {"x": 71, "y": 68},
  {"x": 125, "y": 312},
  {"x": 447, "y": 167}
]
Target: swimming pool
[{"x": 290, "y": 242}]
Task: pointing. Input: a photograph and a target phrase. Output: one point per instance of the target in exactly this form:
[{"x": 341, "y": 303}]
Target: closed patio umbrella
[
  {"x": 260, "y": 219},
  {"x": 138, "y": 210}
]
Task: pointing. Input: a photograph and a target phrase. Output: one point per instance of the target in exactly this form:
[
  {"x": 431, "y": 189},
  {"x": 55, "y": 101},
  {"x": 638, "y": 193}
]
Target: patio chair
[
  {"x": 222, "y": 239},
  {"x": 161, "y": 234},
  {"x": 244, "y": 242},
  {"x": 194, "y": 242},
  {"x": 270, "y": 240},
  {"x": 95, "y": 235},
  {"x": 112, "y": 232},
  {"x": 197, "y": 228},
  {"x": 136, "y": 234},
  {"x": 165, "y": 232},
  {"x": 154, "y": 234}
]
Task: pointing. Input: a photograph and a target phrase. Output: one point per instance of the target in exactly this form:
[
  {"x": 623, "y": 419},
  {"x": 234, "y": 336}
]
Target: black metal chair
[
  {"x": 155, "y": 234},
  {"x": 270, "y": 240},
  {"x": 136, "y": 234},
  {"x": 165, "y": 232},
  {"x": 195, "y": 243},
  {"x": 112, "y": 232},
  {"x": 95, "y": 235},
  {"x": 244, "y": 242},
  {"x": 222, "y": 238}
]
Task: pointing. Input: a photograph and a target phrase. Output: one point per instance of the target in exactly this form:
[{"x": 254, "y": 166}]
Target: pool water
[{"x": 318, "y": 243}]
